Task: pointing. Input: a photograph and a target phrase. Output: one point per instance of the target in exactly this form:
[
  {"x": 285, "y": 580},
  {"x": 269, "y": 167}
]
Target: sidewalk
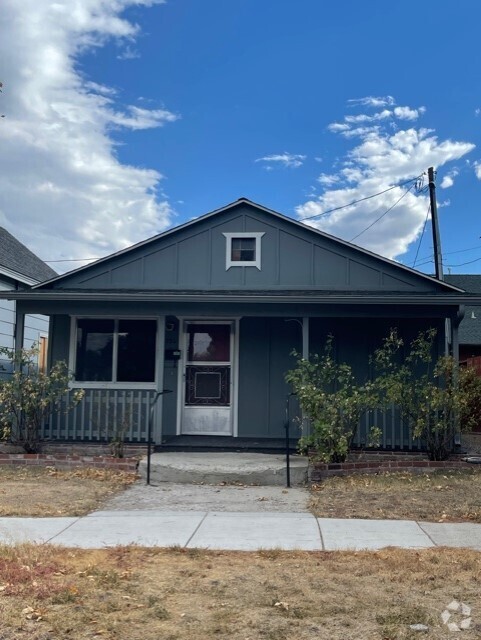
[{"x": 236, "y": 531}]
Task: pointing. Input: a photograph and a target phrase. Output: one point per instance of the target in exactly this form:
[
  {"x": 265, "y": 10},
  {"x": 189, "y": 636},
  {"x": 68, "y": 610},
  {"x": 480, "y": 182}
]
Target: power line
[
  {"x": 70, "y": 260},
  {"x": 449, "y": 253},
  {"x": 422, "y": 234},
  {"x": 374, "y": 195},
  {"x": 385, "y": 213},
  {"x": 461, "y": 264}
]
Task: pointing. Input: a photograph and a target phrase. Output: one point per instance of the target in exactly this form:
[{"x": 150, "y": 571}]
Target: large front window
[{"x": 115, "y": 350}]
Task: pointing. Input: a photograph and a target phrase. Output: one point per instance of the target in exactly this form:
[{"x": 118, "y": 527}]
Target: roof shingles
[{"x": 16, "y": 257}]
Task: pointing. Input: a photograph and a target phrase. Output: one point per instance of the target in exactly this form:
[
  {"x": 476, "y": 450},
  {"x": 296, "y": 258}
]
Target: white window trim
[
  {"x": 110, "y": 384},
  {"x": 256, "y": 235}
]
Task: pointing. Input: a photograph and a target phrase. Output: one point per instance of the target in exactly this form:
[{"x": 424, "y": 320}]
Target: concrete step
[{"x": 220, "y": 466}]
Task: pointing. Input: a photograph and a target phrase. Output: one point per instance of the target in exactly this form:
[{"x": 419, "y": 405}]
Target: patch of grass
[
  {"x": 440, "y": 496},
  {"x": 135, "y": 594},
  {"x": 47, "y": 492}
]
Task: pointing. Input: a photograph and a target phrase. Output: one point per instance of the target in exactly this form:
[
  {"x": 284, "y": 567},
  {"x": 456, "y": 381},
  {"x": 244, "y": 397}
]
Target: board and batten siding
[{"x": 293, "y": 256}]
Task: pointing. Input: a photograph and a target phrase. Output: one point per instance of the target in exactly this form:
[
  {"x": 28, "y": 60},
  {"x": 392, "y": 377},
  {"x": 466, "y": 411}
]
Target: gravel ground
[{"x": 204, "y": 497}]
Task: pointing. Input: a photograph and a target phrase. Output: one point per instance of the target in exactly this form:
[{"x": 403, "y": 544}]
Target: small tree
[
  {"x": 30, "y": 396},
  {"x": 433, "y": 393},
  {"x": 333, "y": 403}
]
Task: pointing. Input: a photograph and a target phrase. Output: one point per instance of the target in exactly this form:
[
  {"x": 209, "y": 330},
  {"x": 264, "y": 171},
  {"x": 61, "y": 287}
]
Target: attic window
[{"x": 243, "y": 249}]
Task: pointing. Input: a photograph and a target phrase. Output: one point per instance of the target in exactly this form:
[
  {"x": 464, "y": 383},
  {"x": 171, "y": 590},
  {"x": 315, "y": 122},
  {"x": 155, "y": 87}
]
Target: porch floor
[{"x": 224, "y": 467}]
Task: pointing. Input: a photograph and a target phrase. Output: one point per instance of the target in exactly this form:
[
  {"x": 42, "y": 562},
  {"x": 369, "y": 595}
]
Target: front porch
[{"x": 232, "y": 468}]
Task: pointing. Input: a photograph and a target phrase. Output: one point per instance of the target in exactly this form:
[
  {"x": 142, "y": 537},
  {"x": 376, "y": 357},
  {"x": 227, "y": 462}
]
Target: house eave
[
  {"x": 19, "y": 277},
  {"x": 247, "y": 298}
]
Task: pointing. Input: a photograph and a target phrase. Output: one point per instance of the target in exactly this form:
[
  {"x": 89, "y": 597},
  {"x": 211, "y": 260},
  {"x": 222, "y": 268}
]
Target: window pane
[
  {"x": 94, "y": 350},
  {"x": 243, "y": 249},
  {"x": 136, "y": 355},
  {"x": 209, "y": 343}
]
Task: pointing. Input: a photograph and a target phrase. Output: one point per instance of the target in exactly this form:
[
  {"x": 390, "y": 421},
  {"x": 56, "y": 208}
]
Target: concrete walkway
[{"x": 236, "y": 531}]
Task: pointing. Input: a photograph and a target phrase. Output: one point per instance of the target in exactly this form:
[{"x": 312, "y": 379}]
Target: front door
[{"x": 207, "y": 379}]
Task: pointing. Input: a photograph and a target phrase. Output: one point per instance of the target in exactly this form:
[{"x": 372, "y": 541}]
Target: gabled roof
[
  {"x": 19, "y": 263},
  {"x": 232, "y": 205}
]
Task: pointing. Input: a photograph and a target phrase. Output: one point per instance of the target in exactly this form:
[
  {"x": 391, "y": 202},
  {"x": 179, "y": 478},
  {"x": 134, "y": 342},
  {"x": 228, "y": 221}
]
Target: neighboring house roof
[
  {"x": 19, "y": 263},
  {"x": 469, "y": 282},
  {"x": 470, "y": 327}
]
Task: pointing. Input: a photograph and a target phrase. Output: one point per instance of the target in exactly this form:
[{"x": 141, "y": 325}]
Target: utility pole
[{"x": 438, "y": 258}]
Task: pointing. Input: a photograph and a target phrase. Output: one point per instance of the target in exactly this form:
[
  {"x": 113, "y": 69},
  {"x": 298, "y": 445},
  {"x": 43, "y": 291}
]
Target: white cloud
[
  {"x": 372, "y": 101},
  {"x": 477, "y": 112},
  {"x": 328, "y": 180},
  {"x": 338, "y": 126},
  {"x": 477, "y": 169},
  {"x": 287, "y": 160},
  {"x": 359, "y": 132},
  {"x": 382, "y": 159},
  {"x": 128, "y": 53},
  {"x": 363, "y": 117},
  {"x": 448, "y": 179},
  {"x": 63, "y": 190},
  {"x": 406, "y": 113},
  {"x": 446, "y": 182}
]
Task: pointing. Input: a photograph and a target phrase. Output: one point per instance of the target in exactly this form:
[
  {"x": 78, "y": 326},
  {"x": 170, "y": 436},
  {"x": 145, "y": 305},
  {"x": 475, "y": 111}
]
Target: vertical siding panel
[
  {"x": 90, "y": 400},
  {"x": 75, "y": 425},
  {"x": 409, "y": 434},
  {"x": 139, "y": 410},
  {"x": 82, "y": 413},
  {"x": 313, "y": 267},
  {"x": 107, "y": 424},
  {"x": 99, "y": 411},
  {"x": 67, "y": 425},
  {"x": 115, "y": 421},
  {"x": 393, "y": 426},
  {"x": 126, "y": 433},
  {"x": 176, "y": 276},
  {"x": 130, "y": 414},
  {"x": 384, "y": 429}
]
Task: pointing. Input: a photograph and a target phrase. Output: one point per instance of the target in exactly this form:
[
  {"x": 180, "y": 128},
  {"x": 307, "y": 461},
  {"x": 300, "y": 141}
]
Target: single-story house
[
  {"x": 20, "y": 268},
  {"x": 211, "y": 311}
]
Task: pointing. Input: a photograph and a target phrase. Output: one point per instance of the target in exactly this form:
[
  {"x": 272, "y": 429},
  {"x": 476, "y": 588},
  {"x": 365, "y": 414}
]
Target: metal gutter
[{"x": 423, "y": 299}]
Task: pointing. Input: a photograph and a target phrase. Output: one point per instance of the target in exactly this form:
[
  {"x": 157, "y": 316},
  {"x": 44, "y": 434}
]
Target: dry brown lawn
[
  {"x": 445, "y": 496},
  {"x": 45, "y": 491},
  {"x": 129, "y": 593}
]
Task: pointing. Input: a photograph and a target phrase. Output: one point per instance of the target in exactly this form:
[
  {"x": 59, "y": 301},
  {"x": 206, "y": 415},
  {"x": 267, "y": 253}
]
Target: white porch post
[{"x": 157, "y": 431}]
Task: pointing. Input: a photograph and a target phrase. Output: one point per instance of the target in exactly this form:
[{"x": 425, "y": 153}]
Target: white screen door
[{"x": 207, "y": 384}]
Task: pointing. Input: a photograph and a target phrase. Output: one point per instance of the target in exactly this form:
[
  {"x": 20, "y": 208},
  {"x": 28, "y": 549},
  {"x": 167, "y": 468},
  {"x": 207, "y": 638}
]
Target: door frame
[{"x": 234, "y": 377}]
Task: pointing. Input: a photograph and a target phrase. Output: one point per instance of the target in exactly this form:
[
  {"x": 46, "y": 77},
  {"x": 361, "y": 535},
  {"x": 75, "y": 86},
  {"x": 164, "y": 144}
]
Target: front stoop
[{"x": 218, "y": 467}]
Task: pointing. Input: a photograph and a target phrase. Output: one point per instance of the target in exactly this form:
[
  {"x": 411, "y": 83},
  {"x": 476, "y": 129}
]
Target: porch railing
[{"x": 102, "y": 415}]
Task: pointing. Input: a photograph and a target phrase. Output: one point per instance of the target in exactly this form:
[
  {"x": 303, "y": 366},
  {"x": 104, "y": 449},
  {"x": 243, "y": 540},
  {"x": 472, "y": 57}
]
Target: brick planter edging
[
  {"x": 320, "y": 470},
  {"x": 64, "y": 461}
]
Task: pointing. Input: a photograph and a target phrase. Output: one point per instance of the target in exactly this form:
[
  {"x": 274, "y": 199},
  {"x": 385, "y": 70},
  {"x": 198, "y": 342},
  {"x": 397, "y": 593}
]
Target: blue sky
[{"x": 123, "y": 118}]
